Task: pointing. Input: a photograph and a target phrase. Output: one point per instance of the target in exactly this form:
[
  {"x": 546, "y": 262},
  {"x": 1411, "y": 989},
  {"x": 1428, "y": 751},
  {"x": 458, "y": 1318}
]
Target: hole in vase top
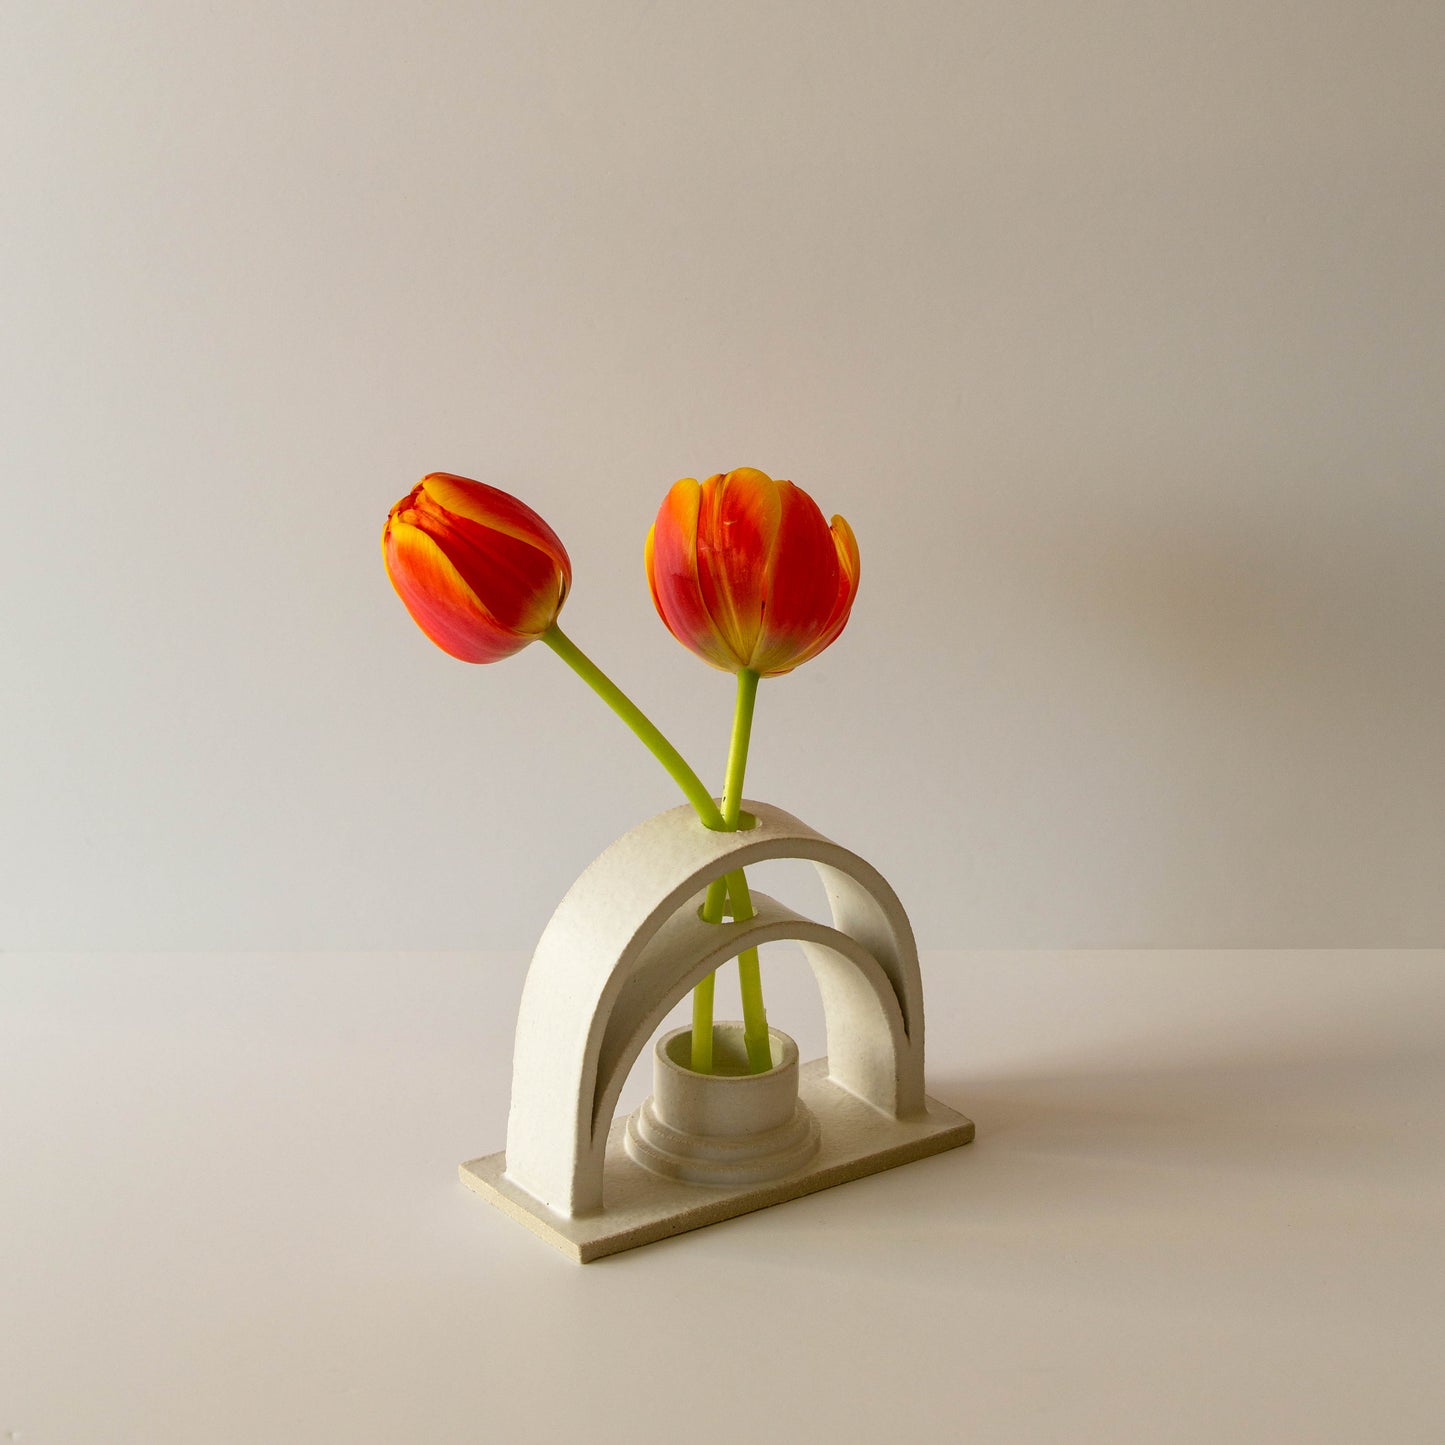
[
  {"x": 727, "y": 916},
  {"x": 746, "y": 823},
  {"x": 729, "y": 1052}
]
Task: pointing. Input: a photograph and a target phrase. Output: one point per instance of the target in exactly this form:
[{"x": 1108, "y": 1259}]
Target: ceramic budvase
[{"x": 625, "y": 945}]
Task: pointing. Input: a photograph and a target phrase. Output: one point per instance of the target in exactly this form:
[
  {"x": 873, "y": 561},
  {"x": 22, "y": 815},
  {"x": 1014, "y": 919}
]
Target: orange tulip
[
  {"x": 745, "y": 572},
  {"x": 480, "y": 572}
]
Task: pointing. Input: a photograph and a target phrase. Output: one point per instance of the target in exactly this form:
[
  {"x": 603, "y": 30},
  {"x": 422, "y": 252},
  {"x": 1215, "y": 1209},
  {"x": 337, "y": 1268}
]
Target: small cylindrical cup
[{"x": 727, "y": 1128}]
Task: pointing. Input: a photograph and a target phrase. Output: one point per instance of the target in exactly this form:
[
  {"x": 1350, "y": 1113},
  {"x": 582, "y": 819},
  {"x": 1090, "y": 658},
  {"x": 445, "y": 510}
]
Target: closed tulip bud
[
  {"x": 480, "y": 572},
  {"x": 745, "y": 572}
]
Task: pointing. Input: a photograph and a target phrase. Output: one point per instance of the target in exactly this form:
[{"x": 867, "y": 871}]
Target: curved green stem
[
  {"x": 734, "y": 885},
  {"x": 755, "y": 1018},
  {"x": 692, "y": 786}
]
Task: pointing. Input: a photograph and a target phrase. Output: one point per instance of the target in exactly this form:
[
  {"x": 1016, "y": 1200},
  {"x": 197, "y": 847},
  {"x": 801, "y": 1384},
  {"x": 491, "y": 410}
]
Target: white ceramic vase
[{"x": 626, "y": 944}]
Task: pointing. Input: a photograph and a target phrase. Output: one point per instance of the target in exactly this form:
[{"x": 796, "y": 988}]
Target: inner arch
[{"x": 866, "y": 1034}]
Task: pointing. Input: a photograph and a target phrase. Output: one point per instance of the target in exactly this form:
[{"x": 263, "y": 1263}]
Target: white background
[{"x": 1117, "y": 331}]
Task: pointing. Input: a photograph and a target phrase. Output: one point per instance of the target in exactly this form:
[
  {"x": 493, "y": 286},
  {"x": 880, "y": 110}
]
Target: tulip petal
[
  {"x": 496, "y": 510},
  {"x": 849, "y": 571},
  {"x": 671, "y": 559},
  {"x": 520, "y": 581},
  {"x": 439, "y": 600},
  {"x": 847, "y": 545},
  {"x": 737, "y": 531},
  {"x": 800, "y": 583}
]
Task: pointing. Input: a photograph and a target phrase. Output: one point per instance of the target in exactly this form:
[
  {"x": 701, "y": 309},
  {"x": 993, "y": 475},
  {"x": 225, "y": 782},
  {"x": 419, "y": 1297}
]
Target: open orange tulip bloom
[
  {"x": 745, "y": 572},
  {"x": 480, "y": 572}
]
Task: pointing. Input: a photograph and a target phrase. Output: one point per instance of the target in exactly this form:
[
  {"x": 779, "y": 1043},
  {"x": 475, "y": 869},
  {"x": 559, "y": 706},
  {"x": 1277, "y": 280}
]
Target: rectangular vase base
[{"x": 641, "y": 1207}]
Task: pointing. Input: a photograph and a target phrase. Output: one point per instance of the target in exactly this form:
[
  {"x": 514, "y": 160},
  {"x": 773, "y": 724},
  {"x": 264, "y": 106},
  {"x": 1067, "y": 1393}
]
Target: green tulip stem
[
  {"x": 732, "y": 803},
  {"x": 734, "y": 886},
  {"x": 713, "y": 908},
  {"x": 750, "y": 980},
  {"x": 702, "y": 1001},
  {"x": 755, "y": 1017},
  {"x": 693, "y": 787}
]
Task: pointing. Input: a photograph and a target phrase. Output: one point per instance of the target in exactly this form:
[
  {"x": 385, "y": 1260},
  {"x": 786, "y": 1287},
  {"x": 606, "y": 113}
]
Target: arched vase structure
[{"x": 624, "y": 946}]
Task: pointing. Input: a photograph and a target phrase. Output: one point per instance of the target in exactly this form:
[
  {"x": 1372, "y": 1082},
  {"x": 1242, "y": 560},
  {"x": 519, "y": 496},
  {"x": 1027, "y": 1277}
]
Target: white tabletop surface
[{"x": 1205, "y": 1204}]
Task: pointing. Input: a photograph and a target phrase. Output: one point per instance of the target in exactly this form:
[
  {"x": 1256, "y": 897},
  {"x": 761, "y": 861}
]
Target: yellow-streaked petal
[
  {"x": 737, "y": 529},
  {"x": 440, "y": 602},
  {"x": 496, "y": 510},
  {"x": 671, "y": 559}
]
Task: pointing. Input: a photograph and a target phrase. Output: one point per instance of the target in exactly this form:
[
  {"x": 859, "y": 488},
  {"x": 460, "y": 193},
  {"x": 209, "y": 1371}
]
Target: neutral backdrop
[{"x": 1116, "y": 330}]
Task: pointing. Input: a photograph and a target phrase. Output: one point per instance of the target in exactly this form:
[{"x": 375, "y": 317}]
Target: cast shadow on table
[
  {"x": 1072, "y": 1155},
  {"x": 1082, "y": 1163},
  {"x": 1322, "y": 1108},
  {"x": 1085, "y": 1149}
]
